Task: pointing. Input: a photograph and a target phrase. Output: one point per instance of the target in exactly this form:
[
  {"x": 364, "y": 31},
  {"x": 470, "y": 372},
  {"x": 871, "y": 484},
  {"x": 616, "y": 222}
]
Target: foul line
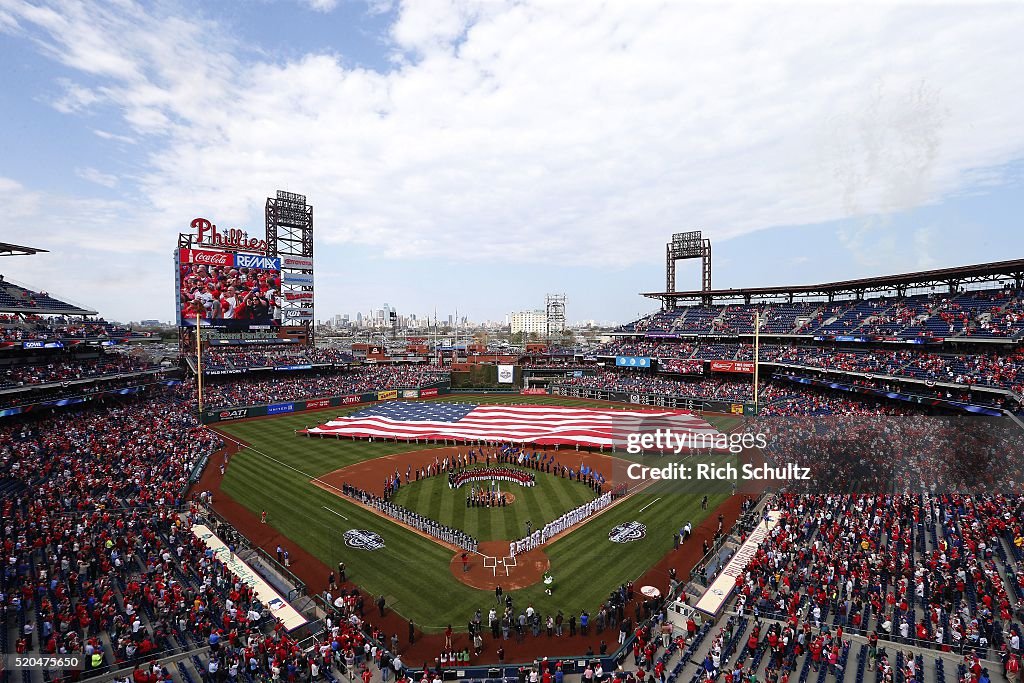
[
  {"x": 335, "y": 512},
  {"x": 650, "y": 504}
]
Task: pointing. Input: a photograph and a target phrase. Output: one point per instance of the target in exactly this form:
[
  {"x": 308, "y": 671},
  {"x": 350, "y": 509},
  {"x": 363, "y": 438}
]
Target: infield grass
[{"x": 547, "y": 500}]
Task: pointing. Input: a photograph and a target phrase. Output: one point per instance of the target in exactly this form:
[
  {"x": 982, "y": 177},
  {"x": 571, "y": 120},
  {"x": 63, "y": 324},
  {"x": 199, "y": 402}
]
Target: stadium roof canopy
[
  {"x": 18, "y": 250},
  {"x": 950, "y": 278}
]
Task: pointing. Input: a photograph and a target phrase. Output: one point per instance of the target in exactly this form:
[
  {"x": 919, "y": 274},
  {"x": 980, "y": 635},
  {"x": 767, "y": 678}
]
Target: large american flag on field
[{"x": 535, "y": 424}]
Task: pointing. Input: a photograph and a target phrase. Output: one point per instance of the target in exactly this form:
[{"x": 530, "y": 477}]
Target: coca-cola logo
[
  {"x": 321, "y": 403},
  {"x": 207, "y": 258}
]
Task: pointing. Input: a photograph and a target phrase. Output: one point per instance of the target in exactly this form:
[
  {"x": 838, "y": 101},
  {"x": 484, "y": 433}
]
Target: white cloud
[
  {"x": 94, "y": 175},
  {"x": 106, "y": 135},
  {"x": 321, "y": 5},
  {"x": 559, "y": 131}
]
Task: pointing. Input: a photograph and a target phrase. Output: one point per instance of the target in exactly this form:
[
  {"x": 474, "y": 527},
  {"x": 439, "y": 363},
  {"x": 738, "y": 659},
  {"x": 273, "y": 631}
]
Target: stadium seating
[
  {"x": 15, "y": 297},
  {"x": 984, "y": 314}
]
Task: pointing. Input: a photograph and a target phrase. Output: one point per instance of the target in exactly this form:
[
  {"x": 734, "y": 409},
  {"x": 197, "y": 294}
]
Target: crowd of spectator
[
  {"x": 259, "y": 390},
  {"x": 95, "y": 560},
  {"x": 939, "y": 569},
  {"x": 1000, "y": 369},
  {"x": 706, "y": 388},
  {"x": 65, "y": 369},
  {"x": 31, "y": 327},
  {"x": 991, "y": 313},
  {"x": 263, "y": 358}
]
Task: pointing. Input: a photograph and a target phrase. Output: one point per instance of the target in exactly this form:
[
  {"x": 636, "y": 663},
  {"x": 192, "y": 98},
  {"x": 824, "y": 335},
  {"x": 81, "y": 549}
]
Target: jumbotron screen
[{"x": 228, "y": 290}]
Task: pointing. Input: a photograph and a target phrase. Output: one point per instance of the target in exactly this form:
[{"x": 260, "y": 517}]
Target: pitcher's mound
[{"x": 492, "y": 567}]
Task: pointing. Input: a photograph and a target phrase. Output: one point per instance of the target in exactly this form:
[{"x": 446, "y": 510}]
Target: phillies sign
[{"x": 232, "y": 238}]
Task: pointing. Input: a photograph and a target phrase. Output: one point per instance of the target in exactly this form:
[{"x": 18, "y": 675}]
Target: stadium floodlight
[{"x": 686, "y": 245}]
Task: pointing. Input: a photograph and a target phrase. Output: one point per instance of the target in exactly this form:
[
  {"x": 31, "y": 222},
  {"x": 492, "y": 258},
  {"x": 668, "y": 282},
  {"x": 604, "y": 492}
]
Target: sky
[{"x": 477, "y": 154}]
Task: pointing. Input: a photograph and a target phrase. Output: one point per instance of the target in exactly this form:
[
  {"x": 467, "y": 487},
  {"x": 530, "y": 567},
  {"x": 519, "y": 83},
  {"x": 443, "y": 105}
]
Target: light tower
[
  {"x": 290, "y": 236},
  {"x": 554, "y": 307},
  {"x": 687, "y": 245}
]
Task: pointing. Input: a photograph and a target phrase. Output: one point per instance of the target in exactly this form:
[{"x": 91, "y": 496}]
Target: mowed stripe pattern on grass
[{"x": 411, "y": 570}]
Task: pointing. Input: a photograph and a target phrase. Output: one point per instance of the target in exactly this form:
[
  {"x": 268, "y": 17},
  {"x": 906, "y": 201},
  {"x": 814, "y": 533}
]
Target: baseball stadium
[{"x": 785, "y": 479}]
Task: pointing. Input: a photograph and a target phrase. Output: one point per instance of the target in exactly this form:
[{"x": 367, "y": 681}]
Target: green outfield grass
[
  {"x": 411, "y": 571},
  {"x": 551, "y": 497}
]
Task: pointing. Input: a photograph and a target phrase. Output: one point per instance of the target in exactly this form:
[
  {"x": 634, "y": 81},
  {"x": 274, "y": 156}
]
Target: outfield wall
[{"x": 241, "y": 412}]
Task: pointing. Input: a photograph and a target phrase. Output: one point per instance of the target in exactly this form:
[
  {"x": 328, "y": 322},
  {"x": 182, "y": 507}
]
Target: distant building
[{"x": 528, "y": 322}]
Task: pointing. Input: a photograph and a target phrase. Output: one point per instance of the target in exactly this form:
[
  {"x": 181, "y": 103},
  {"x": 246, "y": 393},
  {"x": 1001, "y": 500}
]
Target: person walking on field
[{"x": 263, "y": 517}]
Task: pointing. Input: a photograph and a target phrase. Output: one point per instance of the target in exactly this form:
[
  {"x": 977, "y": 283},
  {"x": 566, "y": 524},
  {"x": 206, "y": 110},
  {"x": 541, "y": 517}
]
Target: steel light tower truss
[
  {"x": 290, "y": 234},
  {"x": 686, "y": 245},
  {"x": 554, "y": 306}
]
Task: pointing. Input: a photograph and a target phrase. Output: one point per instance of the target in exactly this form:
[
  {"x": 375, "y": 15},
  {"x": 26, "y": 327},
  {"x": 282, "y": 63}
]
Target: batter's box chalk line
[{"x": 491, "y": 563}]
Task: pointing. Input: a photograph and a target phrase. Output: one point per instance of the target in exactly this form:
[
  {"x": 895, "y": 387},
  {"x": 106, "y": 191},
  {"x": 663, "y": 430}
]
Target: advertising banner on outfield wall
[
  {"x": 228, "y": 414},
  {"x": 288, "y": 615},
  {"x": 506, "y": 374},
  {"x": 732, "y": 366},
  {"x": 411, "y": 393},
  {"x": 319, "y": 403}
]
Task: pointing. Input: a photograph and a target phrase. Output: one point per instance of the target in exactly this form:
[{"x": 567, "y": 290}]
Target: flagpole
[
  {"x": 199, "y": 363},
  {"x": 757, "y": 353}
]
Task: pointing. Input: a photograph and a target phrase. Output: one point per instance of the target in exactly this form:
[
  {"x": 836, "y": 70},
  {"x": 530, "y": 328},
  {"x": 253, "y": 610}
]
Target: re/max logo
[{"x": 254, "y": 261}]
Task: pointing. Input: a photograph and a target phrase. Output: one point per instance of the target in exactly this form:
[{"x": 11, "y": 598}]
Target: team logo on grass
[
  {"x": 628, "y": 531},
  {"x": 361, "y": 539}
]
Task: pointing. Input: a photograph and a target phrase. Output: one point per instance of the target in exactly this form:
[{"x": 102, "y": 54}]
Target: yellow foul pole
[{"x": 757, "y": 352}]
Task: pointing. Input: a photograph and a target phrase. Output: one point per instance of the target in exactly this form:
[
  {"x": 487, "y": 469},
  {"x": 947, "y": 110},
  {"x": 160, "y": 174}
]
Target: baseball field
[{"x": 294, "y": 479}]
